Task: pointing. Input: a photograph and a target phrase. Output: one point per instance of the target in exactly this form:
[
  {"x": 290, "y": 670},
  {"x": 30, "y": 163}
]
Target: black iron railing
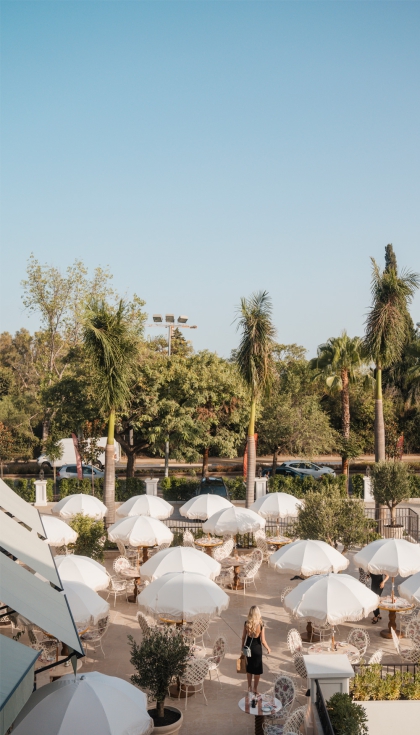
[
  {"x": 244, "y": 541},
  {"x": 406, "y": 517},
  {"x": 322, "y": 711},
  {"x": 391, "y": 668}
]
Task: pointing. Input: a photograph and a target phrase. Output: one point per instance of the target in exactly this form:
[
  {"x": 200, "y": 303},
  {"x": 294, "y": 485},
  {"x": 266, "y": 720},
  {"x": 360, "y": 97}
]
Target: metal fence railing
[
  {"x": 244, "y": 541},
  {"x": 322, "y": 711},
  {"x": 406, "y": 517},
  {"x": 391, "y": 668}
]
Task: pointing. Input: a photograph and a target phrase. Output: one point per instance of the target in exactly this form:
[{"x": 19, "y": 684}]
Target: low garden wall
[{"x": 393, "y": 717}]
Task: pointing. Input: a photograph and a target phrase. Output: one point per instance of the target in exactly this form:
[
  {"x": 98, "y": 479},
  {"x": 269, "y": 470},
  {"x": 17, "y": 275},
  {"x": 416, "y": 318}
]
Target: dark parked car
[{"x": 213, "y": 486}]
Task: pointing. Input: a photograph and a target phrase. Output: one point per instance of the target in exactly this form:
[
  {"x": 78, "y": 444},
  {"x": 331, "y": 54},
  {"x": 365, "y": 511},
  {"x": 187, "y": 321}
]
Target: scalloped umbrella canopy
[
  {"x": 330, "y": 598},
  {"x": 58, "y": 532},
  {"x": 146, "y": 505},
  {"x": 308, "y": 558},
  {"x": 86, "y": 605},
  {"x": 410, "y": 589},
  {"x": 140, "y": 531},
  {"x": 88, "y": 704},
  {"x": 395, "y": 557},
  {"x": 204, "y": 506},
  {"x": 277, "y": 505},
  {"x": 234, "y": 520},
  {"x": 180, "y": 559},
  {"x": 75, "y": 568},
  {"x": 87, "y": 505},
  {"x": 182, "y": 596}
]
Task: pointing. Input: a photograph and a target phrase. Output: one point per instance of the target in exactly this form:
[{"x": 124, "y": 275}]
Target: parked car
[
  {"x": 69, "y": 471},
  {"x": 213, "y": 486},
  {"x": 300, "y": 468}
]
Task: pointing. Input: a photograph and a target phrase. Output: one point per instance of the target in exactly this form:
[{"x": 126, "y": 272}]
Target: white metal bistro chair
[
  {"x": 93, "y": 636},
  {"x": 324, "y": 632},
  {"x": 225, "y": 577},
  {"x": 121, "y": 563},
  {"x": 146, "y": 624},
  {"x": 360, "y": 639},
  {"x": 294, "y": 641},
  {"x": 409, "y": 654},
  {"x": 194, "y": 676},
  {"x": 284, "y": 592},
  {"x": 223, "y": 551},
  {"x": 293, "y": 723},
  {"x": 216, "y": 659},
  {"x": 117, "y": 587},
  {"x": 283, "y": 690},
  {"x": 248, "y": 573},
  {"x": 376, "y": 657},
  {"x": 188, "y": 539},
  {"x": 262, "y": 544},
  {"x": 161, "y": 547},
  {"x": 197, "y": 630}
]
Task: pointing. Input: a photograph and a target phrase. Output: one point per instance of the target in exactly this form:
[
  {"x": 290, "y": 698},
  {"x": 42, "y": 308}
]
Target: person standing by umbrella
[
  {"x": 253, "y": 639},
  {"x": 377, "y": 585}
]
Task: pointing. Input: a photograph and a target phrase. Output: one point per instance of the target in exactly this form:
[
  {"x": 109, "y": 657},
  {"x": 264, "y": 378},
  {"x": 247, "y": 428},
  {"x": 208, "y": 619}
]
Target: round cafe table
[
  {"x": 278, "y": 541},
  {"x": 236, "y": 562},
  {"x": 399, "y": 605},
  {"x": 325, "y": 648},
  {"x": 208, "y": 544},
  {"x": 134, "y": 574},
  {"x": 258, "y": 711}
]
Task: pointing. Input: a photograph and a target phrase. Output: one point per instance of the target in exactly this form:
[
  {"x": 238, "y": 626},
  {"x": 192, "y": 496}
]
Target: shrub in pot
[
  {"x": 347, "y": 717},
  {"x": 391, "y": 485},
  {"x": 161, "y": 655}
]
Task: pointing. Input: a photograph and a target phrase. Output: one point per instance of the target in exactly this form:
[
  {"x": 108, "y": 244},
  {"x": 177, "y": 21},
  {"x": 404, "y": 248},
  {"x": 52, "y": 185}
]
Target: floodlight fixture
[
  {"x": 170, "y": 318},
  {"x": 182, "y": 319},
  {"x": 157, "y": 318}
]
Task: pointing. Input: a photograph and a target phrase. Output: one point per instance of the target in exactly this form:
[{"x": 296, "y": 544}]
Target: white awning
[
  {"x": 12, "y": 503},
  {"x": 16, "y": 679},
  {"x": 28, "y": 548},
  {"x": 38, "y": 601}
]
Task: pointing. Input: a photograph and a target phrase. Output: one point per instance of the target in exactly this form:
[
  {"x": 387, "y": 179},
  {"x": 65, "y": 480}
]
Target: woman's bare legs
[
  {"x": 249, "y": 677},
  {"x": 256, "y": 682}
]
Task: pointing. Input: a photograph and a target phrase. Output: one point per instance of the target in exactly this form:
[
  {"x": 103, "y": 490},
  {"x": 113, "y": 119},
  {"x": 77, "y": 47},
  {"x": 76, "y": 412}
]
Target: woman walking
[
  {"x": 377, "y": 585},
  {"x": 253, "y": 638}
]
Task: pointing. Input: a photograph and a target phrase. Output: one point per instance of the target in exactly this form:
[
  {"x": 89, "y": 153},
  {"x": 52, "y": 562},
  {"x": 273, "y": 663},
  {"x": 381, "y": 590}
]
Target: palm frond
[{"x": 254, "y": 356}]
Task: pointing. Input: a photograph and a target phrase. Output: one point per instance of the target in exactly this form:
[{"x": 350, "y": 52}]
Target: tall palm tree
[
  {"x": 340, "y": 361},
  {"x": 112, "y": 346},
  {"x": 255, "y": 363},
  {"x": 387, "y": 330}
]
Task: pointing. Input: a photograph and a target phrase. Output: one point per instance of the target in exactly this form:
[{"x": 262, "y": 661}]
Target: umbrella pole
[
  {"x": 333, "y": 640},
  {"x": 392, "y": 591}
]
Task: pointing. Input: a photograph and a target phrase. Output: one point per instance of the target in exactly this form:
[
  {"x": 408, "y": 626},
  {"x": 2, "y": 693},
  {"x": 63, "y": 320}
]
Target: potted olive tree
[
  {"x": 160, "y": 656},
  {"x": 391, "y": 486}
]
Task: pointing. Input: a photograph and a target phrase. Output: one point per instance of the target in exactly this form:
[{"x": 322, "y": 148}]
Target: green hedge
[
  {"x": 26, "y": 488},
  {"x": 300, "y": 486},
  {"x": 178, "y": 488},
  {"x": 236, "y": 487},
  {"x": 124, "y": 489},
  {"x": 357, "y": 485},
  {"x": 415, "y": 486}
]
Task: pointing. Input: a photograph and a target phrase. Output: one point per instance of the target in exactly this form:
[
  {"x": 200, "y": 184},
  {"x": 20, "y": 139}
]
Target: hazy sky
[{"x": 206, "y": 150}]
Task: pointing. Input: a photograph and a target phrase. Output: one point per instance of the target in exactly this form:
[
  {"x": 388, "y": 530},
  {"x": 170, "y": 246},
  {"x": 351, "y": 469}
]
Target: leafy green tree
[
  {"x": 111, "y": 343},
  {"x": 341, "y": 361},
  {"x": 387, "y": 330},
  {"x": 347, "y": 717},
  {"x": 88, "y": 542},
  {"x": 391, "y": 485},
  {"x": 54, "y": 450},
  {"x": 254, "y": 358},
  {"x": 6, "y": 444}
]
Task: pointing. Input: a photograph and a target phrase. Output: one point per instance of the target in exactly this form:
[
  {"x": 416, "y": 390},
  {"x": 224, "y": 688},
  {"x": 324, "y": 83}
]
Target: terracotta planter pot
[
  {"x": 393, "y": 531},
  {"x": 169, "y": 729}
]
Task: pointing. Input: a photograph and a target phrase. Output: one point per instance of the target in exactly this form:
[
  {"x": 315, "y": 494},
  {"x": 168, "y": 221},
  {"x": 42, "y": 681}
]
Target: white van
[{"x": 69, "y": 455}]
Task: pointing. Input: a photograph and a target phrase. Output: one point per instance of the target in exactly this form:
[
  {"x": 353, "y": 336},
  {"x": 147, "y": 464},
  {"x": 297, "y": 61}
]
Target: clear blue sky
[{"x": 205, "y": 150}]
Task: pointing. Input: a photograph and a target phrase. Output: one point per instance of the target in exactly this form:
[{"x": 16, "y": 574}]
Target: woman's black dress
[
  {"x": 377, "y": 579},
  {"x": 254, "y": 662}
]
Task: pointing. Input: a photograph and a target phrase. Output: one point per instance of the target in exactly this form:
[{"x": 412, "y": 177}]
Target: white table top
[
  {"x": 325, "y": 648},
  {"x": 254, "y": 710}
]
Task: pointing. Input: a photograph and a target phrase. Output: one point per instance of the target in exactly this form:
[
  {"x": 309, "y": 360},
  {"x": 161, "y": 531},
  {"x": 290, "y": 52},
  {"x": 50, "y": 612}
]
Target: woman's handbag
[
  {"x": 241, "y": 664},
  {"x": 247, "y": 649}
]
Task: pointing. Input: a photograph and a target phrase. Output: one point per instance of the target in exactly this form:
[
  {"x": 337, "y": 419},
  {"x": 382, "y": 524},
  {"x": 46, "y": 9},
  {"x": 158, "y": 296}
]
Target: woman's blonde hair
[{"x": 254, "y": 620}]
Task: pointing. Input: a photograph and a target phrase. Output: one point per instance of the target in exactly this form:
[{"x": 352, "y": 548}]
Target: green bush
[
  {"x": 369, "y": 685},
  {"x": 26, "y": 488},
  {"x": 415, "y": 486},
  {"x": 125, "y": 489},
  {"x": 300, "y": 486},
  {"x": 236, "y": 488},
  {"x": 347, "y": 717},
  {"x": 90, "y": 532},
  {"x": 178, "y": 488},
  {"x": 357, "y": 485}
]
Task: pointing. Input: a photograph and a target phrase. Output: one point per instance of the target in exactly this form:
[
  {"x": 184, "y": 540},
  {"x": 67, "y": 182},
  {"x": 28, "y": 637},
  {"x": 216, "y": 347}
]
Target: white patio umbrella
[
  {"x": 182, "y": 596},
  {"x": 140, "y": 531},
  {"x": 410, "y": 589},
  {"x": 395, "y": 557},
  {"x": 87, "y": 606},
  {"x": 87, "y": 505},
  {"x": 204, "y": 506},
  {"x": 75, "y": 568},
  {"x": 277, "y": 505},
  {"x": 58, "y": 532},
  {"x": 180, "y": 559},
  {"x": 330, "y": 598},
  {"x": 146, "y": 505},
  {"x": 233, "y": 520},
  {"x": 308, "y": 557},
  {"x": 87, "y": 704}
]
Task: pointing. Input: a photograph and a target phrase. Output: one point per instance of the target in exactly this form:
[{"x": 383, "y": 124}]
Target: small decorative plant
[
  {"x": 347, "y": 717},
  {"x": 161, "y": 655},
  {"x": 90, "y": 531},
  {"x": 391, "y": 485}
]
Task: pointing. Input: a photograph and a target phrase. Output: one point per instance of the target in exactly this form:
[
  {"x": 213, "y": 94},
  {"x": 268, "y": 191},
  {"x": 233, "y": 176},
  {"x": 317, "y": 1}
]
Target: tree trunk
[
  {"x": 45, "y": 431},
  {"x": 109, "y": 479},
  {"x": 205, "y": 467},
  {"x": 250, "y": 473},
  {"x": 379, "y": 419},
  {"x": 274, "y": 465},
  {"x": 160, "y": 706},
  {"x": 344, "y": 465},
  {"x": 131, "y": 460}
]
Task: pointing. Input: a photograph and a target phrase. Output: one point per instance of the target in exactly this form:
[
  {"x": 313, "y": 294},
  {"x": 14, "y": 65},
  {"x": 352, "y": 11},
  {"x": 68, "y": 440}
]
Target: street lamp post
[{"x": 169, "y": 323}]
